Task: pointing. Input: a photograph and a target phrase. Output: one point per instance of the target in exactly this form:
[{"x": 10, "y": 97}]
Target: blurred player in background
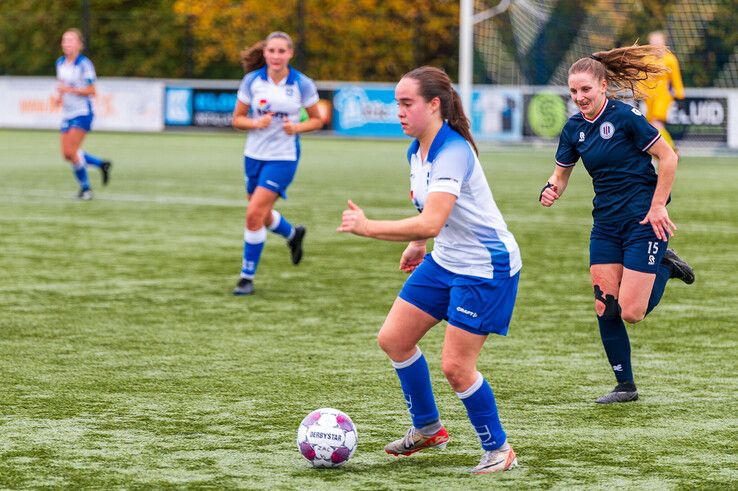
[
  {"x": 270, "y": 98},
  {"x": 76, "y": 76},
  {"x": 469, "y": 279},
  {"x": 629, "y": 260},
  {"x": 661, "y": 89}
]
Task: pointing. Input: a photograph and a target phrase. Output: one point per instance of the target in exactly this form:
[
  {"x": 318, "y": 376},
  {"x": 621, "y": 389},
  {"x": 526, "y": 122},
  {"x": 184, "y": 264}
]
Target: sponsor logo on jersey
[
  {"x": 581, "y": 136},
  {"x": 607, "y": 130}
]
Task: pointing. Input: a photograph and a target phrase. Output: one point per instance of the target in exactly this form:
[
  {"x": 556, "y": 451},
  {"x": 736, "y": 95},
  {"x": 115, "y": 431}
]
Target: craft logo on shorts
[
  {"x": 467, "y": 312},
  {"x": 606, "y": 130}
]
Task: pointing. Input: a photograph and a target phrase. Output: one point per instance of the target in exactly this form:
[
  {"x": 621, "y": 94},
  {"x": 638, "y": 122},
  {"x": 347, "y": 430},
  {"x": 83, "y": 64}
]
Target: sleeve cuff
[
  {"x": 445, "y": 187},
  {"x": 561, "y": 164},
  {"x": 650, "y": 144}
]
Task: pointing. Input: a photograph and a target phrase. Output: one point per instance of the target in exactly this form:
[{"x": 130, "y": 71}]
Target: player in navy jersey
[
  {"x": 469, "y": 279},
  {"x": 269, "y": 101},
  {"x": 76, "y": 76},
  {"x": 629, "y": 260}
]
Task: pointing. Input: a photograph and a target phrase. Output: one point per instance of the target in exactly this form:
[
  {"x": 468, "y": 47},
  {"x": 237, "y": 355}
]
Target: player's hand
[
  {"x": 353, "y": 220},
  {"x": 288, "y": 126},
  {"x": 56, "y": 100},
  {"x": 412, "y": 256},
  {"x": 263, "y": 121},
  {"x": 658, "y": 217},
  {"x": 549, "y": 194}
]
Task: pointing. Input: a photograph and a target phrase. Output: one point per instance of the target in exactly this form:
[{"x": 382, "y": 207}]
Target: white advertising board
[{"x": 120, "y": 104}]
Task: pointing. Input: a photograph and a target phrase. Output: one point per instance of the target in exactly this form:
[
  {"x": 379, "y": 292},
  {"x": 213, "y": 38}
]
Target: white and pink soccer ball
[{"x": 327, "y": 437}]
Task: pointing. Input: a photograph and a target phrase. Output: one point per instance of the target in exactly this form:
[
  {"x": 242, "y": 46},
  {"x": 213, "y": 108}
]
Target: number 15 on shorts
[{"x": 653, "y": 249}]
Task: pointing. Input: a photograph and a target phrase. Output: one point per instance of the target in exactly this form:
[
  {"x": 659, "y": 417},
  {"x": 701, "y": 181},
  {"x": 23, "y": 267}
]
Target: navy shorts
[
  {"x": 629, "y": 243},
  {"x": 275, "y": 175},
  {"x": 474, "y": 304},
  {"x": 82, "y": 122}
]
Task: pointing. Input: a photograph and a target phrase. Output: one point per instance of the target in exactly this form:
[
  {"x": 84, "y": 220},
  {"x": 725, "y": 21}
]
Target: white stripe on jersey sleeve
[
  {"x": 561, "y": 164},
  {"x": 650, "y": 144}
]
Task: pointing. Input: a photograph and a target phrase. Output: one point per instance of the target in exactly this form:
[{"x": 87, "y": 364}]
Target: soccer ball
[{"x": 327, "y": 437}]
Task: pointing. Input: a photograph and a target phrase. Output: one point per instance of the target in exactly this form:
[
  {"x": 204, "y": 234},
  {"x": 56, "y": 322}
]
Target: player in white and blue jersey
[
  {"x": 76, "y": 76},
  {"x": 469, "y": 279},
  {"x": 629, "y": 260},
  {"x": 270, "y": 98}
]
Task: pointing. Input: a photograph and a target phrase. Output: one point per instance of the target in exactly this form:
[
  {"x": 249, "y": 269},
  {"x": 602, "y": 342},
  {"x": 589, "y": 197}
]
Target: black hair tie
[{"x": 596, "y": 58}]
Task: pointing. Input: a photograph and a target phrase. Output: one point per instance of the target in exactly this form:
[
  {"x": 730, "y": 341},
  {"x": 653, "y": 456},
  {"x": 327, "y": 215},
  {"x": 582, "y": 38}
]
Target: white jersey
[
  {"x": 475, "y": 240},
  {"x": 283, "y": 99},
  {"x": 79, "y": 74}
]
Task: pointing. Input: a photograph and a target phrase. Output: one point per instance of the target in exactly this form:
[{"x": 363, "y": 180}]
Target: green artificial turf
[{"x": 125, "y": 362}]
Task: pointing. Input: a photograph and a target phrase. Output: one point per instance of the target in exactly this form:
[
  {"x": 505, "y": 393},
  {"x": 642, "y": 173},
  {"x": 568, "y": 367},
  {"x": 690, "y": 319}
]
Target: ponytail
[
  {"x": 626, "y": 70},
  {"x": 434, "y": 82},
  {"x": 252, "y": 58},
  {"x": 458, "y": 121}
]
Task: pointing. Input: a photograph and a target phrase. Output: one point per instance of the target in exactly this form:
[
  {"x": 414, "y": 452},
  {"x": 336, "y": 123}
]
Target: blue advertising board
[
  {"x": 364, "y": 111},
  {"x": 497, "y": 114},
  {"x": 372, "y": 112},
  {"x": 178, "y": 106}
]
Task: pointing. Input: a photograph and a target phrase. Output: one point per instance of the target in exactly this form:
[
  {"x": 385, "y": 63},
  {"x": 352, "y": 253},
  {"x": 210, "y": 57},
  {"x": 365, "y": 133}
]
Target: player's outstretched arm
[
  {"x": 555, "y": 186},
  {"x": 426, "y": 225}
]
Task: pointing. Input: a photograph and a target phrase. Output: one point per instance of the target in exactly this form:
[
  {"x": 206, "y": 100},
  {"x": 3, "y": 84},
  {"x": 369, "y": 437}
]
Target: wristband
[{"x": 548, "y": 185}]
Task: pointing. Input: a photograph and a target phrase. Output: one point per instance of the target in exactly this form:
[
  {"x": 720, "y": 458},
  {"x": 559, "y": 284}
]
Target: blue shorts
[
  {"x": 629, "y": 243},
  {"x": 474, "y": 304},
  {"x": 275, "y": 175},
  {"x": 82, "y": 122}
]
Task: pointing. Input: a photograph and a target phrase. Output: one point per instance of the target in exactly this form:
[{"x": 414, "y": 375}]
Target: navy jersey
[{"x": 613, "y": 147}]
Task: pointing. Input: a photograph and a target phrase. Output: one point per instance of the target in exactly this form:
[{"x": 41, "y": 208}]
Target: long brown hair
[
  {"x": 252, "y": 58},
  {"x": 434, "y": 82},
  {"x": 626, "y": 70}
]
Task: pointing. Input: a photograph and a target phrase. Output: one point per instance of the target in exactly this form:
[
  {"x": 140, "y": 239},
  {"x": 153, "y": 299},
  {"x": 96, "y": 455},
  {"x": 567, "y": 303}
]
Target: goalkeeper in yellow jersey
[{"x": 663, "y": 89}]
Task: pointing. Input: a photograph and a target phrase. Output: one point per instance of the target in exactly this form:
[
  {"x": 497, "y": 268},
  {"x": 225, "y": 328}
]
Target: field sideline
[{"x": 127, "y": 363}]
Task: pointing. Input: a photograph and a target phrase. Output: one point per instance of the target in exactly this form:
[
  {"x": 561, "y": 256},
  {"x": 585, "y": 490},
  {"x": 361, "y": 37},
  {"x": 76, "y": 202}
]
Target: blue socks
[
  {"x": 416, "y": 386},
  {"x": 617, "y": 346},
  {"x": 481, "y": 408},
  {"x": 89, "y": 158},
  {"x": 281, "y": 226},
  {"x": 253, "y": 244},
  {"x": 80, "y": 172},
  {"x": 663, "y": 273}
]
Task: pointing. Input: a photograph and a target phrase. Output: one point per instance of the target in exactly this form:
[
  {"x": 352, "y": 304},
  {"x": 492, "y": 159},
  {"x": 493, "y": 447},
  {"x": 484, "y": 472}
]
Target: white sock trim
[
  {"x": 409, "y": 361},
  {"x": 276, "y": 220},
  {"x": 255, "y": 236},
  {"x": 474, "y": 387},
  {"x": 81, "y": 157}
]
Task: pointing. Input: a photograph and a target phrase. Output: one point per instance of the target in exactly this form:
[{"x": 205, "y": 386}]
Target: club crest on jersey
[
  {"x": 581, "y": 136},
  {"x": 289, "y": 91},
  {"x": 606, "y": 130}
]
